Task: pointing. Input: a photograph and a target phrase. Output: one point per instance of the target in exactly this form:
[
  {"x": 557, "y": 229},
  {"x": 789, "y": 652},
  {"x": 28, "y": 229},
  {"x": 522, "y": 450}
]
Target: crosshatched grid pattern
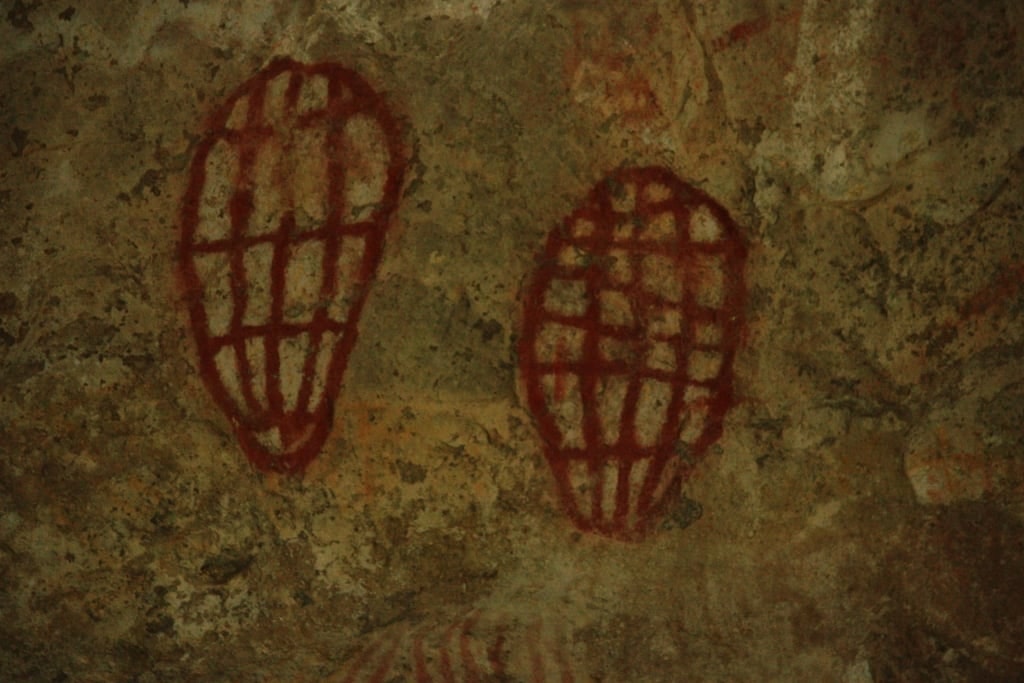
[
  {"x": 307, "y": 156},
  {"x": 630, "y": 326}
]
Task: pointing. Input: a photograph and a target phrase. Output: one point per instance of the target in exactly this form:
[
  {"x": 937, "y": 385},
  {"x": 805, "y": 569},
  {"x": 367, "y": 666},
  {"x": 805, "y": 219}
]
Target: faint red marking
[
  {"x": 608, "y": 73},
  {"x": 475, "y": 648},
  {"x": 945, "y": 475},
  {"x": 447, "y": 674},
  {"x": 420, "y": 661},
  {"x": 375, "y": 662},
  {"x": 495, "y": 653},
  {"x": 469, "y": 662},
  {"x": 260, "y": 408},
  {"x": 1003, "y": 288},
  {"x": 982, "y": 305},
  {"x": 698, "y": 297},
  {"x": 744, "y": 31}
]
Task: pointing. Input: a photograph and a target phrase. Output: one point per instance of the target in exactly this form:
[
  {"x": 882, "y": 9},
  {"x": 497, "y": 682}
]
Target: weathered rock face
[{"x": 427, "y": 452}]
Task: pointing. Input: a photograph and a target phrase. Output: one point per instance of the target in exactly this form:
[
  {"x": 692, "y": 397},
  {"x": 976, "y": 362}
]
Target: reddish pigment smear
[
  {"x": 745, "y": 31},
  {"x": 282, "y": 228},
  {"x": 630, "y": 326},
  {"x": 1004, "y": 287}
]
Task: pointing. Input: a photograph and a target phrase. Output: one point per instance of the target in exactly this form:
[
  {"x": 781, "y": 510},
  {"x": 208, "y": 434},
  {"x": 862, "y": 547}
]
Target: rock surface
[{"x": 859, "y": 519}]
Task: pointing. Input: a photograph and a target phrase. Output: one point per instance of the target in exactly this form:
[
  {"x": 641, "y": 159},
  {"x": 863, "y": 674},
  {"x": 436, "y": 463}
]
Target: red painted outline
[
  {"x": 595, "y": 272},
  {"x": 304, "y": 428}
]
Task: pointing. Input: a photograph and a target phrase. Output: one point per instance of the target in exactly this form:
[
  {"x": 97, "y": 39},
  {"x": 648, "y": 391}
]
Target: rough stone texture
[{"x": 861, "y": 519}]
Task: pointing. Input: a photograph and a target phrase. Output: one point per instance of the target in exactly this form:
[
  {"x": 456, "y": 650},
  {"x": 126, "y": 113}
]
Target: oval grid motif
[
  {"x": 630, "y": 326},
  {"x": 290, "y": 192}
]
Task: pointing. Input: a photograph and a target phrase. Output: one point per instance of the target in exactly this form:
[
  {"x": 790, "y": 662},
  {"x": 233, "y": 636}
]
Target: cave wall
[{"x": 822, "y": 480}]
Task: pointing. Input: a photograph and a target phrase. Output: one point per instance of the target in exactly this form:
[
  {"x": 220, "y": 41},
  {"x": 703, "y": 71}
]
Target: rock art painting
[
  {"x": 630, "y": 326},
  {"x": 479, "y": 646},
  {"x": 291, "y": 190}
]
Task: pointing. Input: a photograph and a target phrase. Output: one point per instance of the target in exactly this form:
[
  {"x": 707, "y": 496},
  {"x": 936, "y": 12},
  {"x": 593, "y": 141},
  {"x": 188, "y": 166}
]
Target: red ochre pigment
[
  {"x": 282, "y": 228},
  {"x": 630, "y": 326},
  {"x": 745, "y": 31},
  {"x": 475, "y": 648}
]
